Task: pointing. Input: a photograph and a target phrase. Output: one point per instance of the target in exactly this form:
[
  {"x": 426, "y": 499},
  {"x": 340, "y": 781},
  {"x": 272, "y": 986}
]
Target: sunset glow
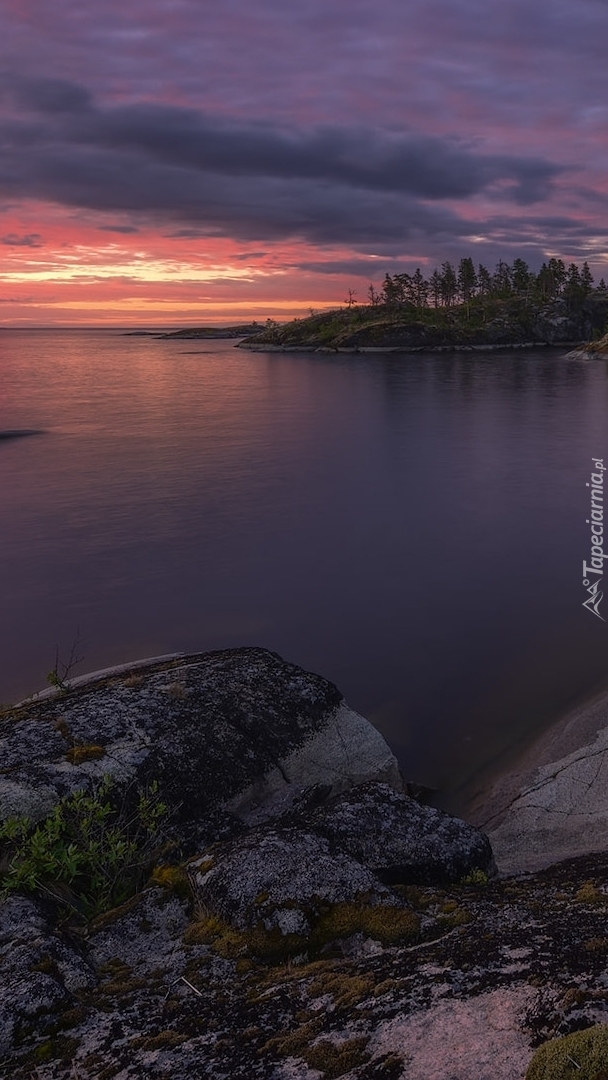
[{"x": 276, "y": 159}]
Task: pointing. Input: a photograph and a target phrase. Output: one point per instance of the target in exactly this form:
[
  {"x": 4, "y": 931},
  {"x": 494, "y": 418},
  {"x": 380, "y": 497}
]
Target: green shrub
[
  {"x": 90, "y": 854},
  {"x": 584, "y": 1055}
]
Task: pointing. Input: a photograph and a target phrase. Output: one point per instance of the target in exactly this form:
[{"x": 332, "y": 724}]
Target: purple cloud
[
  {"x": 30, "y": 240},
  {"x": 383, "y": 126}
]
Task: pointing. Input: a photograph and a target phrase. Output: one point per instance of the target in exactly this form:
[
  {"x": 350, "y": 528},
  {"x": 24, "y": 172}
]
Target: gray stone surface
[
  {"x": 279, "y": 877},
  {"x": 496, "y": 970},
  {"x": 239, "y": 731},
  {"x": 39, "y": 973},
  {"x": 554, "y": 803},
  {"x": 289, "y": 951},
  {"x": 401, "y": 840}
]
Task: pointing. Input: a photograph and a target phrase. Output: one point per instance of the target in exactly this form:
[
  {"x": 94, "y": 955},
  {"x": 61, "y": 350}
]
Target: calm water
[{"x": 412, "y": 528}]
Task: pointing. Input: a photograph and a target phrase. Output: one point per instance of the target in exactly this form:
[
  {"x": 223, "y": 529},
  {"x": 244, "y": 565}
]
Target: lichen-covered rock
[
  {"x": 399, "y": 839},
  {"x": 39, "y": 973},
  {"x": 236, "y": 732},
  {"x": 278, "y": 878}
]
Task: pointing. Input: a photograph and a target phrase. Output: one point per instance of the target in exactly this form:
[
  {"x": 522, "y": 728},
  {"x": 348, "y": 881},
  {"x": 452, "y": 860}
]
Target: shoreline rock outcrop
[
  {"x": 593, "y": 350},
  {"x": 304, "y": 918}
]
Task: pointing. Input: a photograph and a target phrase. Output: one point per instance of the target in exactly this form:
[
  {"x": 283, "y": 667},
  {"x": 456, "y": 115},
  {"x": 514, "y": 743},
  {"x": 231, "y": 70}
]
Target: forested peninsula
[{"x": 458, "y": 308}]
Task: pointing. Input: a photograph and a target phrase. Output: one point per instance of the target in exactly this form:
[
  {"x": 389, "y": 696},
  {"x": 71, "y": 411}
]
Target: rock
[
  {"x": 399, "y": 839},
  {"x": 278, "y": 877},
  {"x": 593, "y": 350},
  {"x": 40, "y": 973},
  {"x": 235, "y": 732},
  {"x": 495, "y": 971},
  {"x": 481, "y": 1038},
  {"x": 289, "y": 955},
  {"x": 552, "y": 804}
]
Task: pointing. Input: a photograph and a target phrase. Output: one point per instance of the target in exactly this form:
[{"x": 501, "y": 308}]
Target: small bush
[{"x": 89, "y": 854}]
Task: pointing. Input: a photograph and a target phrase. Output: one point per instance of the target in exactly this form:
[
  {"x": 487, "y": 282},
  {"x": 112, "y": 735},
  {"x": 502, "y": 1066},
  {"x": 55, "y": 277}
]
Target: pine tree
[
  {"x": 501, "y": 279},
  {"x": 435, "y": 287},
  {"x": 467, "y": 280},
  {"x": 390, "y": 291},
  {"x": 484, "y": 280},
  {"x": 420, "y": 289},
  {"x": 558, "y": 271},
  {"x": 521, "y": 276},
  {"x": 586, "y": 279},
  {"x": 449, "y": 284},
  {"x": 403, "y": 283}
]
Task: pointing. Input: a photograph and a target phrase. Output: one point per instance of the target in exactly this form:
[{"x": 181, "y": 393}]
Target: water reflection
[{"x": 413, "y": 528}]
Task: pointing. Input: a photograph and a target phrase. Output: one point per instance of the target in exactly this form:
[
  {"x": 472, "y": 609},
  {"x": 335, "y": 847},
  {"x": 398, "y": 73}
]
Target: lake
[{"x": 411, "y": 527}]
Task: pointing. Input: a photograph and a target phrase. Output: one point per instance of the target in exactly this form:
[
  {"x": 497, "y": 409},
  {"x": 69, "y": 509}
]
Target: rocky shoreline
[
  {"x": 515, "y": 322},
  {"x": 514, "y": 346},
  {"x": 300, "y": 916}
]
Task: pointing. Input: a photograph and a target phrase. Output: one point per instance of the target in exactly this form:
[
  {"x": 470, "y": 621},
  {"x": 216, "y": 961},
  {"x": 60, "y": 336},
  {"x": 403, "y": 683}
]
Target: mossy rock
[{"x": 583, "y": 1055}]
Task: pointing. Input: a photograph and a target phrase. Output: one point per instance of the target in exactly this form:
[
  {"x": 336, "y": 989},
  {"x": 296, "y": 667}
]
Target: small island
[
  {"x": 457, "y": 309},
  {"x": 205, "y": 333}
]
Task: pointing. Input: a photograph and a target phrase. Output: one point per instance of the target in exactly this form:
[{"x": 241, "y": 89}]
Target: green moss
[
  {"x": 176, "y": 690},
  {"x": 133, "y": 681},
  {"x": 218, "y": 935},
  {"x": 88, "y": 752},
  {"x": 173, "y": 878},
  {"x": 334, "y": 1060},
  {"x": 61, "y": 1048},
  {"x": 388, "y": 925},
  {"x": 478, "y": 878},
  {"x": 46, "y": 965},
  {"x": 296, "y": 1042},
  {"x": 590, "y": 894},
  {"x": 583, "y": 1055},
  {"x": 457, "y": 917},
  {"x": 164, "y": 1040},
  {"x": 345, "y": 989}
]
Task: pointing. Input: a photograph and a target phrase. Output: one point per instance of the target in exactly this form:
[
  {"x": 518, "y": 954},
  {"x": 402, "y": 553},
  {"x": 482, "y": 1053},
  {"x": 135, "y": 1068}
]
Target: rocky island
[
  {"x": 211, "y": 868},
  {"x": 457, "y": 309}
]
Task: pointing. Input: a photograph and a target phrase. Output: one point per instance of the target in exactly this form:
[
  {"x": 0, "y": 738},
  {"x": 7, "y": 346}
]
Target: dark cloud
[
  {"x": 251, "y": 180},
  {"x": 369, "y": 268},
  {"x": 30, "y": 240},
  {"x": 52, "y": 95},
  {"x": 125, "y": 229}
]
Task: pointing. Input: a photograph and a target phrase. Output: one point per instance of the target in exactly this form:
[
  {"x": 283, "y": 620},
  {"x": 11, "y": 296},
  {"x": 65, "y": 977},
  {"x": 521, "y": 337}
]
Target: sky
[{"x": 190, "y": 162}]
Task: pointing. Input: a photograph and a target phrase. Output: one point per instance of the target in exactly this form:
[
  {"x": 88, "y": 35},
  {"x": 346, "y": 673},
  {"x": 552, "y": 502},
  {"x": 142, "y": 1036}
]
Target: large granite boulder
[
  {"x": 344, "y": 851},
  {"x": 229, "y": 735}
]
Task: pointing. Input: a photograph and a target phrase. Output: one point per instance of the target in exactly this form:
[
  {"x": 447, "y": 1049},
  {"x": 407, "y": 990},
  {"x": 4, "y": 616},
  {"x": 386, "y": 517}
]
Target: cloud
[
  {"x": 217, "y": 176},
  {"x": 30, "y": 240},
  {"x": 126, "y": 229}
]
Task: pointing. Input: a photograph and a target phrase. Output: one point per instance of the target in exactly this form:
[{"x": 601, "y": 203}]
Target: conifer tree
[{"x": 449, "y": 284}]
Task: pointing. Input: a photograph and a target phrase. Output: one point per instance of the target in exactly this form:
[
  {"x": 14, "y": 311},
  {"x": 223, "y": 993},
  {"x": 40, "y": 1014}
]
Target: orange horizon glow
[
  {"x": 58, "y": 271},
  {"x": 60, "y": 268}
]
